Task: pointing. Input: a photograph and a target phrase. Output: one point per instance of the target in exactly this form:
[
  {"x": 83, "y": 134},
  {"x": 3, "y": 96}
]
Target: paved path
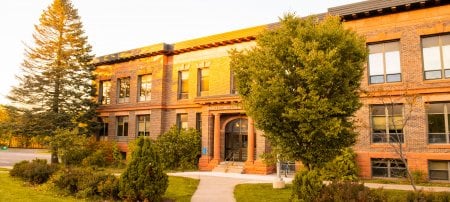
[
  {"x": 215, "y": 186},
  {"x": 11, "y": 156}
]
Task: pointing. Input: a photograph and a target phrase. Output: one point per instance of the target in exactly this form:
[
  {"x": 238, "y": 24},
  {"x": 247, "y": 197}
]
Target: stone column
[
  {"x": 217, "y": 137},
  {"x": 251, "y": 140}
]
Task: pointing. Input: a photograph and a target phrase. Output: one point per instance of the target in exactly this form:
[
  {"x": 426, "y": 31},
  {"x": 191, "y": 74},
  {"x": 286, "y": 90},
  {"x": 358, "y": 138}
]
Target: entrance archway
[{"x": 236, "y": 140}]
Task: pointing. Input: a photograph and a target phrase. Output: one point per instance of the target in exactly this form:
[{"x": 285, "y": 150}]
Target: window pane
[
  {"x": 379, "y": 137},
  {"x": 446, "y": 56},
  {"x": 431, "y": 58},
  {"x": 435, "y": 108},
  {"x": 377, "y": 110},
  {"x": 205, "y": 80},
  {"x": 376, "y": 48},
  {"x": 436, "y": 138},
  {"x": 377, "y": 79},
  {"x": 145, "y": 88},
  {"x": 395, "y": 123},
  {"x": 430, "y": 42},
  {"x": 392, "y": 62},
  {"x": 376, "y": 64},
  {"x": 433, "y": 74},
  {"x": 395, "y": 109},
  {"x": 393, "y": 77},
  {"x": 438, "y": 165},
  {"x": 396, "y": 136},
  {"x": 379, "y": 124},
  {"x": 436, "y": 123},
  {"x": 438, "y": 175},
  {"x": 447, "y": 73}
]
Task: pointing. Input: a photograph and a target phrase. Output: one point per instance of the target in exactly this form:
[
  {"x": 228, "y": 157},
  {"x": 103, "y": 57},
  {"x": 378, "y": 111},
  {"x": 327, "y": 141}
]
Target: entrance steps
[{"x": 230, "y": 167}]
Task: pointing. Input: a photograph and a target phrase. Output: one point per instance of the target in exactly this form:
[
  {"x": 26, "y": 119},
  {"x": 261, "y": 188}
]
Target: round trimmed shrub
[{"x": 36, "y": 172}]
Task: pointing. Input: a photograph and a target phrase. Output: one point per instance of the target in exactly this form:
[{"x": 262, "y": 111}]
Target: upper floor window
[
  {"x": 145, "y": 87},
  {"x": 436, "y": 56},
  {"x": 388, "y": 168},
  {"x": 203, "y": 82},
  {"x": 124, "y": 89},
  {"x": 438, "y": 122},
  {"x": 182, "y": 121},
  {"x": 104, "y": 92},
  {"x": 384, "y": 63},
  {"x": 438, "y": 170},
  {"x": 143, "y": 125},
  {"x": 183, "y": 85},
  {"x": 103, "y": 126},
  {"x": 233, "y": 83},
  {"x": 198, "y": 122},
  {"x": 387, "y": 123},
  {"x": 122, "y": 126}
]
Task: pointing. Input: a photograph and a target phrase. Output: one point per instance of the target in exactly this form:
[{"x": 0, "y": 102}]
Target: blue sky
[{"x": 117, "y": 25}]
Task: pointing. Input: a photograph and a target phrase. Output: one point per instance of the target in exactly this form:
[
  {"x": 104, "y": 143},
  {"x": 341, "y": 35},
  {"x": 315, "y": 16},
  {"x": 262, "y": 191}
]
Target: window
[
  {"x": 182, "y": 121},
  {"x": 103, "y": 126},
  {"x": 384, "y": 63},
  {"x": 143, "y": 125},
  {"x": 438, "y": 122},
  {"x": 145, "y": 87},
  {"x": 387, "y": 123},
  {"x": 436, "y": 56},
  {"x": 122, "y": 126},
  {"x": 233, "y": 83},
  {"x": 203, "y": 82},
  {"x": 104, "y": 96},
  {"x": 124, "y": 89},
  {"x": 438, "y": 170},
  {"x": 198, "y": 122},
  {"x": 388, "y": 168},
  {"x": 183, "y": 85}
]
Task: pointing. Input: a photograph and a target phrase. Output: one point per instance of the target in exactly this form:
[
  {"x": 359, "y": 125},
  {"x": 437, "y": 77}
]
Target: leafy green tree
[
  {"x": 56, "y": 83},
  {"x": 179, "y": 148},
  {"x": 143, "y": 179},
  {"x": 301, "y": 86}
]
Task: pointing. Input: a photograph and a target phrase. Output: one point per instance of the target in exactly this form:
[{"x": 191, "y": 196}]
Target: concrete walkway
[{"x": 215, "y": 186}]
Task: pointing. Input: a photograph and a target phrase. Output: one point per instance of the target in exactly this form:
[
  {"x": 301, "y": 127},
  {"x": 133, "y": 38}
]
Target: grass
[
  {"x": 406, "y": 182},
  {"x": 16, "y": 190},
  {"x": 181, "y": 188},
  {"x": 261, "y": 192}
]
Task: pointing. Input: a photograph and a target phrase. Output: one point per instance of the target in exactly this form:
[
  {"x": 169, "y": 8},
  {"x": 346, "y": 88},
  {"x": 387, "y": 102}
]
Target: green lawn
[
  {"x": 261, "y": 192},
  {"x": 180, "y": 189},
  {"x": 16, "y": 190}
]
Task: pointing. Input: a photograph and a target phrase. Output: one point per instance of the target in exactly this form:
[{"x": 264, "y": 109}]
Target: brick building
[{"x": 406, "y": 91}]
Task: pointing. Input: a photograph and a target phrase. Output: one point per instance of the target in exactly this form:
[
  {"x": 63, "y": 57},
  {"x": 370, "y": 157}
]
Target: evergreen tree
[
  {"x": 301, "y": 85},
  {"x": 56, "y": 83},
  {"x": 144, "y": 179}
]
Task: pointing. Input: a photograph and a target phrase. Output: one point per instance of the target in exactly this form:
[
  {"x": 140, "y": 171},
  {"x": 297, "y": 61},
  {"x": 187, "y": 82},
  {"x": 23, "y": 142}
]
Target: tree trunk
[{"x": 54, "y": 158}]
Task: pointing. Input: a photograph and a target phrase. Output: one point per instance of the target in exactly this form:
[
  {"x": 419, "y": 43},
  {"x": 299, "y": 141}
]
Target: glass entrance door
[{"x": 236, "y": 140}]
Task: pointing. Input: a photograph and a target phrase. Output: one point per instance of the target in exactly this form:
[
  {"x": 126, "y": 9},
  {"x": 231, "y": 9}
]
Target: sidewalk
[{"x": 215, "y": 186}]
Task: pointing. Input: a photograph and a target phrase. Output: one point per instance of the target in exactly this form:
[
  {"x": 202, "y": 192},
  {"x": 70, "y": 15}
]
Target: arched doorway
[{"x": 236, "y": 140}]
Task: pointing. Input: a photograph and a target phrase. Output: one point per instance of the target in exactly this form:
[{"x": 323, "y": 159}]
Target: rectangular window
[
  {"x": 438, "y": 170},
  {"x": 103, "y": 126},
  {"x": 145, "y": 87},
  {"x": 198, "y": 122},
  {"x": 124, "y": 89},
  {"x": 104, "y": 92},
  {"x": 388, "y": 168},
  {"x": 182, "y": 121},
  {"x": 387, "y": 123},
  {"x": 183, "y": 85},
  {"x": 203, "y": 82},
  {"x": 143, "y": 125},
  {"x": 233, "y": 84},
  {"x": 384, "y": 62},
  {"x": 436, "y": 56},
  {"x": 438, "y": 122},
  {"x": 122, "y": 126}
]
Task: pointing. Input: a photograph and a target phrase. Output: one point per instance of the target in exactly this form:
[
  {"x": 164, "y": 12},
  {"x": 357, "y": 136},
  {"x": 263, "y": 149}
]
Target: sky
[{"x": 117, "y": 25}]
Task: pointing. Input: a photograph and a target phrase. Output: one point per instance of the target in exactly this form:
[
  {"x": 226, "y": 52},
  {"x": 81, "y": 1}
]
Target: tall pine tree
[{"x": 56, "y": 82}]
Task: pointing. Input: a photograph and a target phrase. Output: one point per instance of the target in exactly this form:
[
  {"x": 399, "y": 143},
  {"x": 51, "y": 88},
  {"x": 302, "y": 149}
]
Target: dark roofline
[{"x": 371, "y": 8}]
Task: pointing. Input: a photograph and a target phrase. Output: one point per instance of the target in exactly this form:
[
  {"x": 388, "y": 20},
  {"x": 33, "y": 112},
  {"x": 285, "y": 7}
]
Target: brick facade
[{"x": 403, "y": 21}]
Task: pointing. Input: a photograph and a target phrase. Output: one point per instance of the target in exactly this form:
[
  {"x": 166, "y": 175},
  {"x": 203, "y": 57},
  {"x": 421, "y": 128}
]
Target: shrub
[
  {"x": 179, "y": 149},
  {"x": 419, "y": 176},
  {"x": 343, "y": 167},
  {"x": 307, "y": 185},
  {"x": 143, "y": 178},
  {"x": 349, "y": 191},
  {"x": 35, "y": 172},
  {"x": 84, "y": 182}
]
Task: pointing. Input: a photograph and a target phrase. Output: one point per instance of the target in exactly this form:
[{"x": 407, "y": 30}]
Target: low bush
[
  {"x": 179, "y": 149},
  {"x": 307, "y": 185},
  {"x": 349, "y": 191},
  {"x": 342, "y": 168},
  {"x": 85, "y": 183},
  {"x": 36, "y": 172}
]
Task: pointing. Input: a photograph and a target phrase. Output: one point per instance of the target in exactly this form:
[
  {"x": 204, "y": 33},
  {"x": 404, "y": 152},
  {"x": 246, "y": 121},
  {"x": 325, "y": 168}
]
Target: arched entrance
[{"x": 236, "y": 140}]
